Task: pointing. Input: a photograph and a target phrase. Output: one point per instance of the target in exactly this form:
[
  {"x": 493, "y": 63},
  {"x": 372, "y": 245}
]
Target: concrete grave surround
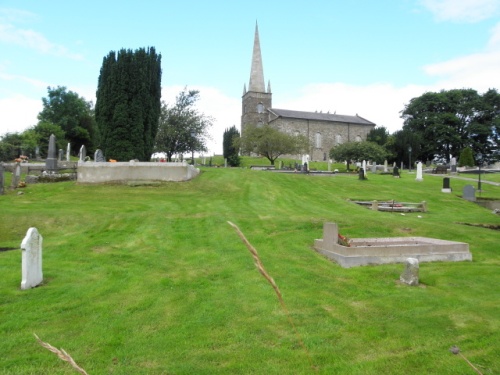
[
  {"x": 410, "y": 273},
  {"x": 369, "y": 251},
  {"x": 125, "y": 172},
  {"x": 31, "y": 249}
]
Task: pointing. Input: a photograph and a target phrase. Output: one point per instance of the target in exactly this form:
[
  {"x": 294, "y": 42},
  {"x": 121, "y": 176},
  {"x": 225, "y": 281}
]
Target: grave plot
[
  {"x": 365, "y": 251},
  {"x": 393, "y": 206}
]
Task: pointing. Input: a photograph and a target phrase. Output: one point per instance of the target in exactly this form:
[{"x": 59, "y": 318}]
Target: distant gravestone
[
  {"x": 362, "y": 174},
  {"x": 31, "y": 249},
  {"x": 82, "y": 154},
  {"x": 374, "y": 168},
  {"x": 68, "y": 151},
  {"x": 428, "y": 163},
  {"x": 395, "y": 171},
  {"x": 446, "y": 185},
  {"x": 469, "y": 193},
  {"x": 410, "y": 273},
  {"x": 60, "y": 154},
  {"x": 51, "y": 161},
  {"x": 16, "y": 177},
  {"x": 419, "y": 172},
  {"x": 364, "y": 168},
  {"x": 453, "y": 165},
  {"x": 385, "y": 166},
  {"x": 99, "y": 156},
  {"x": 37, "y": 153},
  {"x": 1, "y": 180}
]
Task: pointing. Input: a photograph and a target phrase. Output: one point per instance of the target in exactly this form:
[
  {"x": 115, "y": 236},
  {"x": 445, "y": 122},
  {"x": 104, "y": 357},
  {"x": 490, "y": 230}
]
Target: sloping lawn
[{"x": 152, "y": 280}]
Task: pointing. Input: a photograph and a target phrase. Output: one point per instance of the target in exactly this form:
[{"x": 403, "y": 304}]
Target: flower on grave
[{"x": 344, "y": 241}]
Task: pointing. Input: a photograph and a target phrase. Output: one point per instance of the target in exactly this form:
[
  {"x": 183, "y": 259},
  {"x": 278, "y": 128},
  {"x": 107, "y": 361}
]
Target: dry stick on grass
[
  {"x": 455, "y": 350},
  {"x": 264, "y": 273},
  {"x": 61, "y": 354}
]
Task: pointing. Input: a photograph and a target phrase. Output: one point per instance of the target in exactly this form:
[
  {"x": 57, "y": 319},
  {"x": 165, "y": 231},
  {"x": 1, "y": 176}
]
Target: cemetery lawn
[{"x": 152, "y": 279}]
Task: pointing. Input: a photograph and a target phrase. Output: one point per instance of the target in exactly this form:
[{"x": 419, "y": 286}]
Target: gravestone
[
  {"x": 37, "y": 153},
  {"x": 1, "y": 180},
  {"x": 410, "y": 273},
  {"x": 395, "y": 171},
  {"x": 453, "y": 165},
  {"x": 329, "y": 165},
  {"x": 31, "y": 249},
  {"x": 60, "y": 154},
  {"x": 385, "y": 166},
  {"x": 51, "y": 161},
  {"x": 364, "y": 168},
  {"x": 82, "y": 154},
  {"x": 68, "y": 150},
  {"x": 419, "y": 172},
  {"x": 446, "y": 185},
  {"x": 98, "y": 156},
  {"x": 362, "y": 174},
  {"x": 428, "y": 163},
  {"x": 374, "y": 168},
  {"x": 16, "y": 177},
  {"x": 469, "y": 193}
]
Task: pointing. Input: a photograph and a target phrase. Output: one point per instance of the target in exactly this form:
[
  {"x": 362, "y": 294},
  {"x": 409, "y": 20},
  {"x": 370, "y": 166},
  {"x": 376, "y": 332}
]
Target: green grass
[{"x": 152, "y": 280}]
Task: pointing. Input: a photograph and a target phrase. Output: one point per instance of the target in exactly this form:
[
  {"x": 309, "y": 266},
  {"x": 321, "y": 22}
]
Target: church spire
[{"x": 257, "y": 72}]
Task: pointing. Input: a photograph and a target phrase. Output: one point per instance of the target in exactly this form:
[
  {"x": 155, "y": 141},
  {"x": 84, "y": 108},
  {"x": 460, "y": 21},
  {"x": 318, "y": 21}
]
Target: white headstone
[
  {"x": 68, "y": 149},
  {"x": 364, "y": 168},
  {"x": 385, "y": 166},
  {"x": 31, "y": 249},
  {"x": 410, "y": 273},
  {"x": 419, "y": 172}
]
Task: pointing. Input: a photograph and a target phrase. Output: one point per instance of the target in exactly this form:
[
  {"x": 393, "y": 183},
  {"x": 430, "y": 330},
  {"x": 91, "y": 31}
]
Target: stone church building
[{"x": 324, "y": 130}]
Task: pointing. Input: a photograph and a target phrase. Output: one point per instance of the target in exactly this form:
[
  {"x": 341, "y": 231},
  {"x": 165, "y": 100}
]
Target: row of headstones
[
  {"x": 51, "y": 161},
  {"x": 16, "y": 178},
  {"x": 395, "y": 171}
]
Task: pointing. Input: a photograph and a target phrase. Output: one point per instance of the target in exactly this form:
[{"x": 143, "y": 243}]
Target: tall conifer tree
[{"x": 128, "y": 103}]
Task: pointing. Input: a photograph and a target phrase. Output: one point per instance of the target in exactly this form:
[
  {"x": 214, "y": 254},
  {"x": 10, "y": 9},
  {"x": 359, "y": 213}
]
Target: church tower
[{"x": 256, "y": 100}]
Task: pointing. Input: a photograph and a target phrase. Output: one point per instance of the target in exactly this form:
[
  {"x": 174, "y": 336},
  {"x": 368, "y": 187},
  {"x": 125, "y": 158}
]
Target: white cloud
[
  {"x": 19, "y": 112},
  {"x": 462, "y": 10},
  {"x": 31, "y": 81}
]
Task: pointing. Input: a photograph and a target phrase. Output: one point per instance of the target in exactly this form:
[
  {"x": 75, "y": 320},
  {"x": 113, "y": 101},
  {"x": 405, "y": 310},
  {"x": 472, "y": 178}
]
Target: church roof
[{"x": 319, "y": 116}]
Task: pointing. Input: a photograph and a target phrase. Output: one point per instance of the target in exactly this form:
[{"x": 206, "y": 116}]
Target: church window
[
  {"x": 260, "y": 124},
  {"x": 338, "y": 139},
  {"x": 260, "y": 108},
  {"x": 358, "y": 138},
  {"x": 318, "y": 140}
]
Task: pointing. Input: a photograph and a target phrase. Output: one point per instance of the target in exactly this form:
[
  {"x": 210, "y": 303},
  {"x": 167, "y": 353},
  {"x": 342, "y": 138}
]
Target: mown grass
[{"x": 152, "y": 280}]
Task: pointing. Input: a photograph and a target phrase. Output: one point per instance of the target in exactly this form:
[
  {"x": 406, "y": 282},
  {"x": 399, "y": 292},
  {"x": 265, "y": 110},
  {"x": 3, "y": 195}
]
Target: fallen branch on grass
[{"x": 62, "y": 355}]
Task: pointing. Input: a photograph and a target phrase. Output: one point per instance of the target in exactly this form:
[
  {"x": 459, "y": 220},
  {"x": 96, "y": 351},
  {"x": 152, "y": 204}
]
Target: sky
[{"x": 350, "y": 57}]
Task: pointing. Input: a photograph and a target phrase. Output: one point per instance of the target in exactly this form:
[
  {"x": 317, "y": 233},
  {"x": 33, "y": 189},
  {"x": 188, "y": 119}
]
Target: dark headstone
[
  {"x": 361, "y": 174},
  {"x": 51, "y": 161},
  {"x": 1, "y": 179},
  {"x": 99, "y": 156},
  {"x": 395, "y": 171},
  {"x": 446, "y": 183},
  {"x": 469, "y": 193}
]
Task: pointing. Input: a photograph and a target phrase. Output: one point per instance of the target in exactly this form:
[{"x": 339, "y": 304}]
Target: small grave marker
[
  {"x": 410, "y": 273},
  {"x": 51, "y": 161},
  {"x": 469, "y": 193},
  {"x": 99, "y": 156},
  {"x": 82, "y": 154},
  {"x": 31, "y": 249},
  {"x": 419, "y": 172},
  {"x": 446, "y": 185}
]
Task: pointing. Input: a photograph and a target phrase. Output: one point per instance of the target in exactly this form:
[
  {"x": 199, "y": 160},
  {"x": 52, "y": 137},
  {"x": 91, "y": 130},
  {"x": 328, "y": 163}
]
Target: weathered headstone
[
  {"x": 385, "y": 166},
  {"x": 82, "y": 154},
  {"x": 68, "y": 150},
  {"x": 364, "y": 168},
  {"x": 1, "y": 179},
  {"x": 469, "y": 193},
  {"x": 361, "y": 174},
  {"x": 453, "y": 165},
  {"x": 329, "y": 165},
  {"x": 374, "y": 168},
  {"x": 60, "y": 154},
  {"x": 446, "y": 185},
  {"x": 410, "y": 273},
  {"x": 16, "y": 176},
  {"x": 51, "y": 161},
  {"x": 99, "y": 156},
  {"x": 37, "y": 153},
  {"x": 419, "y": 172},
  {"x": 395, "y": 171},
  {"x": 31, "y": 249},
  {"x": 428, "y": 163}
]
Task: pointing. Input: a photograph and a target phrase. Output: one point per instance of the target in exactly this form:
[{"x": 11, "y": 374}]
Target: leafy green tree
[
  {"x": 466, "y": 158},
  {"x": 10, "y": 146},
  {"x": 43, "y": 131},
  {"x": 449, "y": 121},
  {"x": 128, "y": 103},
  {"x": 181, "y": 127},
  {"x": 270, "y": 142},
  {"x": 399, "y": 148},
  {"x": 73, "y": 114},
  {"x": 230, "y": 146},
  {"x": 358, "y": 151},
  {"x": 378, "y": 135}
]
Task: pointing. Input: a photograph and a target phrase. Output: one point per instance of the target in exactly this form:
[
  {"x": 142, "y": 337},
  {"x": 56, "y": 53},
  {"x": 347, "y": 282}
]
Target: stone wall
[
  {"x": 123, "y": 172},
  {"x": 323, "y": 135}
]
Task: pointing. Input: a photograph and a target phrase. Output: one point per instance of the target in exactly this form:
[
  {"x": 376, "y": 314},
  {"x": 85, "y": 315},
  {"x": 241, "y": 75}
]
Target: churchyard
[{"x": 153, "y": 279}]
